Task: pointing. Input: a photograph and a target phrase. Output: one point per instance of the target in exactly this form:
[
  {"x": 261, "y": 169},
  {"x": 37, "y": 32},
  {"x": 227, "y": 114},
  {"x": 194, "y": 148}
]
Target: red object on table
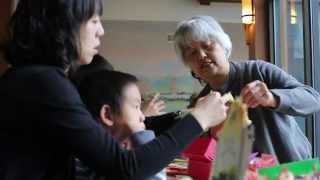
[{"x": 200, "y": 153}]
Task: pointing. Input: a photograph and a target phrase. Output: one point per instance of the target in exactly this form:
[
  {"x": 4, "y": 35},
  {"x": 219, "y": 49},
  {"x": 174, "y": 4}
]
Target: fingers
[
  {"x": 210, "y": 110},
  {"x": 216, "y": 95},
  {"x": 255, "y": 94},
  {"x": 159, "y": 107},
  {"x": 225, "y": 99},
  {"x": 155, "y": 98},
  {"x": 154, "y": 107},
  {"x": 220, "y": 107},
  {"x": 213, "y": 96}
]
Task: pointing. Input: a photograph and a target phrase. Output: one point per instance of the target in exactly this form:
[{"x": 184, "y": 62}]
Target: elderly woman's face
[{"x": 206, "y": 59}]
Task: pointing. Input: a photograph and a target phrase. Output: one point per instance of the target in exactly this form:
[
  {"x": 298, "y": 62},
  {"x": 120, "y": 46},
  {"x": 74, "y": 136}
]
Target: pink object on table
[
  {"x": 265, "y": 160},
  {"x": 200, "y": 153}
]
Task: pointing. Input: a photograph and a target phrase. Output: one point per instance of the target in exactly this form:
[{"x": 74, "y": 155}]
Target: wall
[
  {"x": 132, "y": 42},
  {"x": 168, "y": 10},
  {"x": 136, "y": 41},
  {"x": 138, "y": 29}
]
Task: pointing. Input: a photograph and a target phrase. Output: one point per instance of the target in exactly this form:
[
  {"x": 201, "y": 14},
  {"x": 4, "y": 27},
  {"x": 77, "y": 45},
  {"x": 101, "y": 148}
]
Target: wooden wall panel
[
  {"x": 5, "y": 12},
  {"x": 259, "y": 48}
]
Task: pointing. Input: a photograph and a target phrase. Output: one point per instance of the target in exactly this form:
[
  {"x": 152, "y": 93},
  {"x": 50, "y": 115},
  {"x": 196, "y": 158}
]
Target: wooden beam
[
  {"x": 227, "y": 1},
  {"x": 204, "y": 2},
  {"x": 207, "y": 2},
  {"x": 259, "y": 46},
  {"x": 5, "y": 13}
]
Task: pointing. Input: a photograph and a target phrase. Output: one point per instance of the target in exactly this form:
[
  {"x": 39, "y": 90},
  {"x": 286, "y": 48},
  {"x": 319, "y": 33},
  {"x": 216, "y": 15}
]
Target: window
[
  {"x": 295, "y": 48},
  {"x": 289, "y": 40},
  {"x": 315, "y": 32}
]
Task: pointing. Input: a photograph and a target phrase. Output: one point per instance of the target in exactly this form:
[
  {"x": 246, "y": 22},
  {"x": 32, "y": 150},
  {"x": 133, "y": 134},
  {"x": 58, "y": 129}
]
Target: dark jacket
[
  {"x": 137, "y": 139},
  {"x": 44, "y": 123}
]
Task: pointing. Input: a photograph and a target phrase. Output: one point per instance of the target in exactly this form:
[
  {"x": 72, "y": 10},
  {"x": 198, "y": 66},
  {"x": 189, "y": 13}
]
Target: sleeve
[
  {"x": 161, "y": 123},
  {"x": 294, "y": 98},
  {"x": 69, "y": 125},
  {"x": 142, "y": 137}
]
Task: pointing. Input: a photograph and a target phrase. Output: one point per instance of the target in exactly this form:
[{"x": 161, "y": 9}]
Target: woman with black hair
[{"x": 44, "y": 123}]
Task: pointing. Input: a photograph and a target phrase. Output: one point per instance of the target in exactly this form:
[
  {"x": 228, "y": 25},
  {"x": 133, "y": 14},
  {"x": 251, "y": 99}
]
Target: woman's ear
[{"x": 106, "y": 115}]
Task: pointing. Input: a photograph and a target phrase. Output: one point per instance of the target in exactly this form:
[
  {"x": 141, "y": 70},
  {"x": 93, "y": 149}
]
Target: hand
[
  {"x": 154, "y": 107},
  {"x": 257, "y": 94},
  {"x": 210, "y": 110},
  {"x": 126, "y": 144}
]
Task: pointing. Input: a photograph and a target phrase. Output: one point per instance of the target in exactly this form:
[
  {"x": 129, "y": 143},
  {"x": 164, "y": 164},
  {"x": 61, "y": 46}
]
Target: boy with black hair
[{"x": 117, "y": 107}]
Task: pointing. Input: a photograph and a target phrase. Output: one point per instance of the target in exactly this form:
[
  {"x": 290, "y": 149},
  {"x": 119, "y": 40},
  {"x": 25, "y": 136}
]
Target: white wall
[
  {"x": 129, "y": 45},
  {"x": 169, "y": 10},
  {"x": 136, "y": 40},
  {"x": 137, "y": 30}
]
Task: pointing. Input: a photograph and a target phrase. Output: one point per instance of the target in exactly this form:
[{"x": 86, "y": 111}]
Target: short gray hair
[{"x": 200, "y": 28}]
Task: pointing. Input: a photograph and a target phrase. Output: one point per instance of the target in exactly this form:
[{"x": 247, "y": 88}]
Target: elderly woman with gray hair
[{"x": 272, "y": 96}]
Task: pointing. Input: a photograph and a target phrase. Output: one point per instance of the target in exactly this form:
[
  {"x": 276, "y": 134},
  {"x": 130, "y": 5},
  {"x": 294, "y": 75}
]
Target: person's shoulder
[
  {"x": 256, "y": 63},
  {"x": 49, "y": 82},
  {"x": 39, "y": 72},
  {"x": 34, "y": 75},
  {"x": 48, "y": 71},
  {"x": 242, "y": 62},
  {"x": 48, "y": 77},
  {"x": 264, "y": 66}
]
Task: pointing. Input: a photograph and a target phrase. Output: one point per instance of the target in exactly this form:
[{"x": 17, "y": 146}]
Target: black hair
[
  {"x": 47, "y": 31},
  {"x": 104, "y": 87},
  {"x": 98, "y": 63}
]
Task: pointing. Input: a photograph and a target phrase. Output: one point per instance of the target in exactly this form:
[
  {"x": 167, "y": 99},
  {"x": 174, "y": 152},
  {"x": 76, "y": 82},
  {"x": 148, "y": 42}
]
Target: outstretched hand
[
  {"x": 154, "y": 107},
  {"x": 257, "y": 94}
]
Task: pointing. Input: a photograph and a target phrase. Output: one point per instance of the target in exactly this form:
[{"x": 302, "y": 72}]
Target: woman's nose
[
  {"x": 202, "y": 54},
  {"x": 100, "y": 30}
]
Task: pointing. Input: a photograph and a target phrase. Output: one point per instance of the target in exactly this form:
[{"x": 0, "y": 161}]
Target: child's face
[{"x": 131, "y": 119}]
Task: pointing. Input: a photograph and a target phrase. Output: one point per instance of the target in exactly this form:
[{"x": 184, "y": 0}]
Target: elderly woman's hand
[{"x": 256, "y": 94}]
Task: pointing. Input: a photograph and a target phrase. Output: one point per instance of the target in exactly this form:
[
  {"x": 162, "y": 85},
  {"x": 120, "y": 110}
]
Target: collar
[{"x": 231, "y": 79}]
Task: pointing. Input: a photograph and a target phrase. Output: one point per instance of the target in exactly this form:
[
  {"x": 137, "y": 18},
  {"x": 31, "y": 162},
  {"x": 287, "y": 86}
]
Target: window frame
[{"x": 311, "y": 55}]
